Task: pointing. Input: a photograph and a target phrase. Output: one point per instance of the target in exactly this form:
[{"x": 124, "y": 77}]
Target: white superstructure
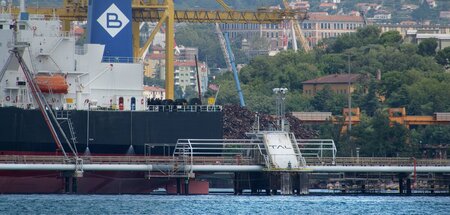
[{"x": 116, "y": 84}]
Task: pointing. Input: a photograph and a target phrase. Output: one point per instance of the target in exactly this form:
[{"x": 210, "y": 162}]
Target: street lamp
[{"x": 281, "y": 96}]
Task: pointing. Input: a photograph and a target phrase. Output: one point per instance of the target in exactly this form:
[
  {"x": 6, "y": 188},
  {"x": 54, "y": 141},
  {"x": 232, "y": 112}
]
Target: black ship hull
[{"x": 110, "y": 132}]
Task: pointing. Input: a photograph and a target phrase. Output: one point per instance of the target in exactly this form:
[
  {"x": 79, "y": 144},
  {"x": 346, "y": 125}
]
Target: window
[{"x": 21, "y": 27}]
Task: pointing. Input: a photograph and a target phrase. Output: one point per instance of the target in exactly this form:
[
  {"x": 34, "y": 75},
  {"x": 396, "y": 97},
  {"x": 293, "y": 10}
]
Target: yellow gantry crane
[
  {"x": 163, "y": 12},
  {"x": 297, "y": 28}
]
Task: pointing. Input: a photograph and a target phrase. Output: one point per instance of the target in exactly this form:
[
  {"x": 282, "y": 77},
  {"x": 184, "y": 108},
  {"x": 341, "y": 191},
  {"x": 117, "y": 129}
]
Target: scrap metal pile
[{"x": 238, "y": 120}]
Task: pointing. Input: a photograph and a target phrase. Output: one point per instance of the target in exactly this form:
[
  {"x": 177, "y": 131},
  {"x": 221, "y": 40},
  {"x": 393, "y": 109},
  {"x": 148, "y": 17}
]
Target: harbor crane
[
  {"x": 297, "y": 30},
  {"x": 163, "y": 12}
]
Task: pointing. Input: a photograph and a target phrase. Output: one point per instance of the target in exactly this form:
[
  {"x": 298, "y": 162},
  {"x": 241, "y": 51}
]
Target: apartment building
[
  {"x": 406, "y": 26},
  {"x": 321, "y": 26},
  {"x": 338, "y": 83},
  {"x": 186, "y": 75}
]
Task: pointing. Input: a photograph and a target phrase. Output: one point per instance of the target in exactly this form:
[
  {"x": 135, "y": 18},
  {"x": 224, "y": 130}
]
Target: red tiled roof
[
  {"x": 214, "y": 87},
  {"x": 184, "y": 63},
  {"x": 335, "y": 18},
  {"x": 323, "y": 13},
  {"x": 327, "y": 5},
  {"x": 154, "y": 89},
  {"x": 78, "y": 30},
  {"x": 335, "y": 79},
  {"x": 156, "y": 56}
]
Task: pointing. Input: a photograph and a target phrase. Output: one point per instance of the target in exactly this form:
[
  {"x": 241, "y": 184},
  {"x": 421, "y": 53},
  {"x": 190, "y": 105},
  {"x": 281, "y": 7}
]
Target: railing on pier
[
  {"x": 229, "y": 158},
  {"x": 318, "y": 149},
  {"x": 199, "y": 160},
  {"x": 184, "y": 108},
  {"x": 221, "y": 151},
  {"x": 255, "y": 149},
  {"x": 376, "y": 161}
]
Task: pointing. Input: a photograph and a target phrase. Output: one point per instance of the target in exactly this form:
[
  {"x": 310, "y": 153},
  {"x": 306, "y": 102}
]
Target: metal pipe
[
  {"x": 396, "y": 169},
  {"x": 227, "y": 168},
  {"x": 220, "y": 168},
  {"x": 130, "y": 167}
]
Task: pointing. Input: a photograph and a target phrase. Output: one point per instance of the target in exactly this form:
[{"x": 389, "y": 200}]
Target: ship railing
[
  {"x": 116, "y": 59},
  {"x": 32, "y": 159},
  {"x": 184, "y": 108}
]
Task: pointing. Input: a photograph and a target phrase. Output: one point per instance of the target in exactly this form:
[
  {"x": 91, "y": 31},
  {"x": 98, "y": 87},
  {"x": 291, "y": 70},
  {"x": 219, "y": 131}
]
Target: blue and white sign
[
  {"x": 109, "y": 24},
  {"x": 113, "y": 20}
]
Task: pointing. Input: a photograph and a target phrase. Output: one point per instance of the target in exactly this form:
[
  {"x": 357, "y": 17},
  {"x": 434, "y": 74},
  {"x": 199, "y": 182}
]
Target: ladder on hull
[
  {"x": 64, "y": 116},
  {"x": 45, "y": 108}
]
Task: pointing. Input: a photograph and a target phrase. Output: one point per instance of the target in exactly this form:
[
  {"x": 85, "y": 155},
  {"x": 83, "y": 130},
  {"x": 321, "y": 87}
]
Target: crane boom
[
  {"x": 144, "y": 13},
  {"x": 297, "y": 28},
  {"x": 235, "y": 73}
]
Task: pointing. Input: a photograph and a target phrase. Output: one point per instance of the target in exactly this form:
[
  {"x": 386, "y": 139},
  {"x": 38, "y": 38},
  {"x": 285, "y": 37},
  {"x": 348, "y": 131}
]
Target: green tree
[
  {"x": 154, "y": 81},
  {"x": 178, "y": 92},
  {"x": 391, "y": 38},
  {"x": 203, "y": 37},
  {"x": 376, "y": 137},
  {"x": 443, "y": 56},
  {"x": 423, "y": 12},
  {"x": 371, "y": 103},
  {"x": 326, "y": 100},
  {"x": 428, "y": 47},
  {"x": 369, "y": 34},
  {"x": 190, "y": 92}
]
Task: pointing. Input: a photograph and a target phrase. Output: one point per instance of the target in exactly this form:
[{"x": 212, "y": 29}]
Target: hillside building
[{"x": 338, "y": 83}]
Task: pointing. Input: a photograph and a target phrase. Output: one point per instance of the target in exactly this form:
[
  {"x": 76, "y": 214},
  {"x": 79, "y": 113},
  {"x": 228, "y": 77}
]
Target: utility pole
[{"x": 349, "y": 97}]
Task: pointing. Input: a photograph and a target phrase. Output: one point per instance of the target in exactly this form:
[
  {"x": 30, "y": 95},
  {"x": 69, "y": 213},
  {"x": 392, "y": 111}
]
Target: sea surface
[{"x": 221, "y": 204}]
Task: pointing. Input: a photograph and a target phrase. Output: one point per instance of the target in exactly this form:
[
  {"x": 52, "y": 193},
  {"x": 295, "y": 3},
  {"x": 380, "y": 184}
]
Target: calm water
[{"x": 220, "y": 204}]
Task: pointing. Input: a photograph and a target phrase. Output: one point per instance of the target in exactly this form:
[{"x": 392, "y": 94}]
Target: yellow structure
[
  {"x": 338, "y": 83},
  {"x": 298, "y": 30},
  {"x": 164, "y": 13}
]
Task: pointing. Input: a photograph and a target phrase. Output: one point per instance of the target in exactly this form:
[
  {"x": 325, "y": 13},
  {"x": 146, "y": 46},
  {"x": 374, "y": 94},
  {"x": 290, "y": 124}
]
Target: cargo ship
[{"x": 98, "y": 102}]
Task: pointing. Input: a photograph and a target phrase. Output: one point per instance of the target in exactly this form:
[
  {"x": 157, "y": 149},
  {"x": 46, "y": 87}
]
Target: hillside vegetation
[{"x": 413, "y": 76}]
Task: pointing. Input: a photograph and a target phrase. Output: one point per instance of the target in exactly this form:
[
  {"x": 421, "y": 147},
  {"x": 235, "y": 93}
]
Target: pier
[{"x": 270, "y": 163}]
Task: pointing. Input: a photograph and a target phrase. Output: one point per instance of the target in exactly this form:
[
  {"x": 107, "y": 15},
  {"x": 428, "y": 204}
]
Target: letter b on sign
[{"x": 112, "y": 21}]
